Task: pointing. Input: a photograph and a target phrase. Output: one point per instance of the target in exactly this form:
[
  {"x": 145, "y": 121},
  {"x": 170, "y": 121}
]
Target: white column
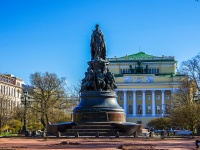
[
  {"x": 125, "y": 102},
  {"x": 134, "y": 103},
  {"x": 163, "y": 103},
  {"x": 153, "y": 103},
  {"x": 143, "y": 103}
]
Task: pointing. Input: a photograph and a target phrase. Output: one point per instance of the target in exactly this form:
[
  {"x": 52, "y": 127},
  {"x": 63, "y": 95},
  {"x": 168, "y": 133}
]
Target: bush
[
  {"x": 160, "y": 123},
  {"x": 35, "y": 126},
  {"x": 14, "y": 125}
]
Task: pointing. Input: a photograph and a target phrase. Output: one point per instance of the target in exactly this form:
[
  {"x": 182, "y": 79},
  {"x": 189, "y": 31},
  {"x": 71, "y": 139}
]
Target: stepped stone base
[
  {"x": 98, "y": 114},
  {"x": 94, "y": 129}
]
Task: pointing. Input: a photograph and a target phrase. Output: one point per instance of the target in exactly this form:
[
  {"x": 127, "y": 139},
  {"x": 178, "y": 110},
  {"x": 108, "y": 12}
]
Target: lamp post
[
  {"x": 163, "y": 110},
  {"x": 24, "y": 99},
  {"x": 196, "y": 99}
]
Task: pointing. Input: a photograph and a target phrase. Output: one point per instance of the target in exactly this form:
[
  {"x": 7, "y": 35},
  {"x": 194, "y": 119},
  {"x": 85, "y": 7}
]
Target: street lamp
[
  {"x": 196, "y": 99},
  {"x": 25, "y": 99},
  {"x": 163, "y": 110}
]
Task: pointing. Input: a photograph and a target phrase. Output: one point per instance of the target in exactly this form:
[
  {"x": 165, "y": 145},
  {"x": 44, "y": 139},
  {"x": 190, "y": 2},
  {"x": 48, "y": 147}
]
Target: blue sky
[{"x": 54, "y": 35}]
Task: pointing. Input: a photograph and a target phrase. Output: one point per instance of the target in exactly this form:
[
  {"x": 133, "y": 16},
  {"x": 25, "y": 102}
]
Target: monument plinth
[{"x": 98, "y": 108}]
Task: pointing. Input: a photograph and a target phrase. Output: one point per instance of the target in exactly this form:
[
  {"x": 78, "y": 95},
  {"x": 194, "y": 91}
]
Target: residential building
[{"x": 10, "y": 91}]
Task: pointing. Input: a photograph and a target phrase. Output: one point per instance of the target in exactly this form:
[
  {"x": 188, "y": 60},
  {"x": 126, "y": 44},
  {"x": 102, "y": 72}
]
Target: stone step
[
  {"x": 93, "y": 127},
  {"x": 76, "y": 134},
  {"x": 96, "y": 123},
  {"x": 91, "y": 130}
]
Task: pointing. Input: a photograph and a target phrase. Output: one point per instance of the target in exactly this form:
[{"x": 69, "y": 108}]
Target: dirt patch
[{"x": 136, "y": 147}]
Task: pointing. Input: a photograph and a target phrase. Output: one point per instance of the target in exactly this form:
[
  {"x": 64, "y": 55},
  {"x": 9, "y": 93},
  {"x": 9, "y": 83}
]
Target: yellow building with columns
[{"x": 145, "y": 85}]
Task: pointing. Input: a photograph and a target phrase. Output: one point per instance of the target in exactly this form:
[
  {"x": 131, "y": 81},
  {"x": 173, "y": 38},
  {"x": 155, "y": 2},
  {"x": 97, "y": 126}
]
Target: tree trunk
[
  {"x": 43, "y": 123},
  {"x": 47, "y": 119}
]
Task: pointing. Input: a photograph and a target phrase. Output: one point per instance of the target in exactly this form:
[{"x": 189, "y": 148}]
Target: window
[
  {"x": 130, "y": 97},
  {"x": 4, "y": 90},
  {"x": 158, "y": 109},
  {"x": 139, "y": 122},
  {"x": 167, "y": 97},
  {"x": 157, "y": 70},
  {"x": 139, "y": 97},
  {"x": 139, "y": 109},
  {"x": 157, "y": 97},
  {"x": 126, "y": 70},
  {"x": 9, "y": 91},
  {"x": 151, "y": 71},
  {"x": 17, "y": 93},
  {"x": 167, "y": 109},
  {"x": 148, "y": 97},
  {"x": 18, "y": 84},
  {"x": 130, "y": 109},
  {"x": 121, "y": 71},
  {"x": 120, "y": 97},
  {"x": 14, "y": 94},
  {"x": 148, "y": 109},
  {"x": 11, "y": 105}
]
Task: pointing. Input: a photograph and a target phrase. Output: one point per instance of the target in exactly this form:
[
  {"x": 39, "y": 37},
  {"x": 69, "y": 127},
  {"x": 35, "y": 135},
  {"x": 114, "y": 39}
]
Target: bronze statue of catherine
[{"x": 98, "y": 46}]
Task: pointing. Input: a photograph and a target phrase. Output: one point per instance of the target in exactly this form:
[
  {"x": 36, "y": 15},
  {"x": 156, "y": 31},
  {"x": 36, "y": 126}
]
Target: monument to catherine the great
[
  {"x": 98, "y": 110},
  {"x": 98, "y": 98}
]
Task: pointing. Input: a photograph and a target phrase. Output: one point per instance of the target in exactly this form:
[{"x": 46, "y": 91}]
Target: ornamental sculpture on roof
[
  {"x": 139, "y": 69},
  {"x": 98, "y": 77}
]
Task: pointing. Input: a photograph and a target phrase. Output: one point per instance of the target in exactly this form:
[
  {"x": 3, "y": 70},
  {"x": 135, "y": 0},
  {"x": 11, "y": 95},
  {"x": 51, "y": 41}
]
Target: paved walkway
[{"x": 22, "y": 143}]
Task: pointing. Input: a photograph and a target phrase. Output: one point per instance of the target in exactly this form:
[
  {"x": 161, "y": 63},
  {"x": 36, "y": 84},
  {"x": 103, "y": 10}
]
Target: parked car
[{"x": 184, "y": 132}]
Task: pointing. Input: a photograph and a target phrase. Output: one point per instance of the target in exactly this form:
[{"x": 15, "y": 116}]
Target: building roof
[
  {"x": 143, "y": 57},
  {"x": 139, "y": 55}
]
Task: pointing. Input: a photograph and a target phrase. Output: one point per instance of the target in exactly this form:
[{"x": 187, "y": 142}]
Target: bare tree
[
  {"x": 186, "y": 116},
  {"x": 74, "y": 91},
  {"x": 48, "y": 92},
  {"x": 186, "y": 112},
  {"x": 74, "y": 95},
  {"x": 183, "y": 94},
  {"x": 191, "y": 68},
  {"x": 18, "y": 113}
]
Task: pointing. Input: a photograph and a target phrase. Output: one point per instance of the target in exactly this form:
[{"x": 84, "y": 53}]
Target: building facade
[
  {"x": 10, "y": 91},
  {"x": 145, "y": 85}
]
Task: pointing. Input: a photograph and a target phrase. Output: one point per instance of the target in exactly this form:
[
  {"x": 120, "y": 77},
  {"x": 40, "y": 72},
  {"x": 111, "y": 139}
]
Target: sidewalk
[{"x": 22, "y": 143}]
